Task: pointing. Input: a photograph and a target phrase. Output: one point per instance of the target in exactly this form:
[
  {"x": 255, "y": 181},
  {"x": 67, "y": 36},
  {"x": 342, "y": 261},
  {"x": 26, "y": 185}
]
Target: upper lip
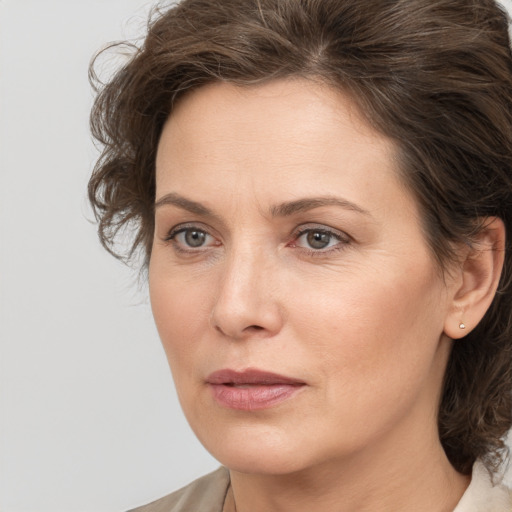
[{"x": 250, "y": 376}]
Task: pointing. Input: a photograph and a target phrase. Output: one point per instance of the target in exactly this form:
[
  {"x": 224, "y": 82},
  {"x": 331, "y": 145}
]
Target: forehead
[
  {"x": 276, "y": 142},
  {"x": 305, "y": 95},
  {"x": 281, "y": 122}
]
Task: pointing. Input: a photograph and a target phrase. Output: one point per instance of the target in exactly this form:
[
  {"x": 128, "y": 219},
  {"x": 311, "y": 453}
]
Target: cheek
[
  {"x": 181, "y": 311},
  {"x": 373, "y": 342},
  {"x": 371, "y": 326}
]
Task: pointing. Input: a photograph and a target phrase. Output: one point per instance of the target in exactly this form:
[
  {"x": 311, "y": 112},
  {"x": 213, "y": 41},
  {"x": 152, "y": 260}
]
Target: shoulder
[
  {"x": 483, "y": 495},
  {"x": 206, "y": 494}
]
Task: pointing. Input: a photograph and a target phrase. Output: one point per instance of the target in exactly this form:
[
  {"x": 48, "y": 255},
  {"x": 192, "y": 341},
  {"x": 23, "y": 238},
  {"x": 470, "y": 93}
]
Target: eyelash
[
  {"x": 171, "y": 238},
  {"x": 342, "y": 238}
]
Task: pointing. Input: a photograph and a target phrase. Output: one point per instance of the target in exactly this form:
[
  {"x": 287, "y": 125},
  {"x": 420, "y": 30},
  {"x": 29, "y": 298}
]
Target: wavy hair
[{"x": 433, "y": 75}]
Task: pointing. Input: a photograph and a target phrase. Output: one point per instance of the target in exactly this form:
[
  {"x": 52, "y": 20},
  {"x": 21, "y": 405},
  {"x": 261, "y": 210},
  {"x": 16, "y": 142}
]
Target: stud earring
[{"x": 462, "y": 326}]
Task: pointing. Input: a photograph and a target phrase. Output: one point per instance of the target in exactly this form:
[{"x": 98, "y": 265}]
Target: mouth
[{"x": 251, "y": 389}]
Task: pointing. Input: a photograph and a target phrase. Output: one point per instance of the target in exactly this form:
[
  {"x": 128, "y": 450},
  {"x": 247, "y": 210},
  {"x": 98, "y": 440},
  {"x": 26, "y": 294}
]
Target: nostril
[{"x": 254, "y": 328}]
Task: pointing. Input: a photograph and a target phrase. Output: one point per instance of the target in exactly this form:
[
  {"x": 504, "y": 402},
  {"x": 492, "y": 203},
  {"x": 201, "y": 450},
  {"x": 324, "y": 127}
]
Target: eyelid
[
  {"x": 181, "y": 228},
  {"x": 305, "y": 228},
  {"x": 343, "y": 238}
]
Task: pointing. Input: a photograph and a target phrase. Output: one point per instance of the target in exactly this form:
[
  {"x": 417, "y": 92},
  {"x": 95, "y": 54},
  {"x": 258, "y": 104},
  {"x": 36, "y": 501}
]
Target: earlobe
[{"x": 478, "y": 279}]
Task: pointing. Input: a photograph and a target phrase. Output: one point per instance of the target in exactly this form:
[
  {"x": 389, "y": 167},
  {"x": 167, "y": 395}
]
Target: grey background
[{"x": 88, "y": 417}]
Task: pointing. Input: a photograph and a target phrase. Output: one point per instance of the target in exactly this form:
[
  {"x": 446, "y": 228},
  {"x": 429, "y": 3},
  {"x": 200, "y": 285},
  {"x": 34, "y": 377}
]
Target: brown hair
[{"x": 434, "y": 75}]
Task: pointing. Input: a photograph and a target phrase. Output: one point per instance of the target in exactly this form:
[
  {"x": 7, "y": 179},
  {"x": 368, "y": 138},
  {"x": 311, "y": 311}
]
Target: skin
[{"x": 365, "y": 322}]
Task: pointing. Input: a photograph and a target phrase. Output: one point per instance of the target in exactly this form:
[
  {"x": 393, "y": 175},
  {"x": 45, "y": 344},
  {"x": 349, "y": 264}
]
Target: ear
[{"x": 476, "y": 279}]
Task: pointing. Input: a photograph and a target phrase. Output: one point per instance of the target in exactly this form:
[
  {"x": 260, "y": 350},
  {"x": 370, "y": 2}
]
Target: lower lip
[{"x": 255, "y": 397}]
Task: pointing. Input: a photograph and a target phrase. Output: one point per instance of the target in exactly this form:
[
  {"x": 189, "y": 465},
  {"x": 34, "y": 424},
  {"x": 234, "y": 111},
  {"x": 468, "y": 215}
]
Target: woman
[{"x": 322, "y": 190}]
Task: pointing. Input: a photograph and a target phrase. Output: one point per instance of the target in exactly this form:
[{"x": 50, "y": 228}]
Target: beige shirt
[
  {"x": 483, "y": 496},
  {"x": 208, "y": 494}
]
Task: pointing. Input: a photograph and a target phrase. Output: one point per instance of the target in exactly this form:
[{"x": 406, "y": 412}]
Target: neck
[{"x": 391, "y": 480}]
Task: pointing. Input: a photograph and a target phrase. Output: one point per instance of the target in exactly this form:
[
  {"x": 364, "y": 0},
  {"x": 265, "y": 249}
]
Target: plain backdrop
[{"x": 88, "y": 416}]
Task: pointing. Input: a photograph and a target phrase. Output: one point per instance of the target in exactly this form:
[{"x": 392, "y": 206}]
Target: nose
[{"x": 246, "y": 304}]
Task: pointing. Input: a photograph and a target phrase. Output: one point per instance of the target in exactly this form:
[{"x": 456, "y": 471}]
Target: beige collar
[{"x": 229, "y": 502}]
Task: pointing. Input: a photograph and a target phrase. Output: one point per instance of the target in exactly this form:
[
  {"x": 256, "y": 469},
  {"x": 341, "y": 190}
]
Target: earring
[{"x": 462, "y": 326}]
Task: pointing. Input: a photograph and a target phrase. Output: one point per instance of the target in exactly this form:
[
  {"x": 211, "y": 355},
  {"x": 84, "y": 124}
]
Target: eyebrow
[
  {"x": 310, "y": 203},
  {"x": 281, "y": 210},
  {"x": 184, "y": 203}
]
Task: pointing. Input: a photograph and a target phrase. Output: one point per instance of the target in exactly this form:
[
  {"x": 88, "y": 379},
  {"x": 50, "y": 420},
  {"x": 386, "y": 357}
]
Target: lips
[{"x": 251, "y": 389}]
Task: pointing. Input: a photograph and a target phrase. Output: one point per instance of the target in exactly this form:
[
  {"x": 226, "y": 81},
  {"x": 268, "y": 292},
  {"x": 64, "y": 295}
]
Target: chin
[
  {"x": 261, "y": 461},
  {"x": 257, "y": 451}
]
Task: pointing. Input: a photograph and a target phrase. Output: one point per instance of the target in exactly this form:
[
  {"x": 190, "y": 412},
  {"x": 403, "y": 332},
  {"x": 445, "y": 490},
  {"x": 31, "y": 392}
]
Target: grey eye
[
  {"x": 194, "y": 238},
  {"x": 318, "y": 239},
  {"x": 191, "y": 238}
]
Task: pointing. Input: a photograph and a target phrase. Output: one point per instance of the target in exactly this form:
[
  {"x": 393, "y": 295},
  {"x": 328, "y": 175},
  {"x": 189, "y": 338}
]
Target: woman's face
[{"x": 300, "y": 309}]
